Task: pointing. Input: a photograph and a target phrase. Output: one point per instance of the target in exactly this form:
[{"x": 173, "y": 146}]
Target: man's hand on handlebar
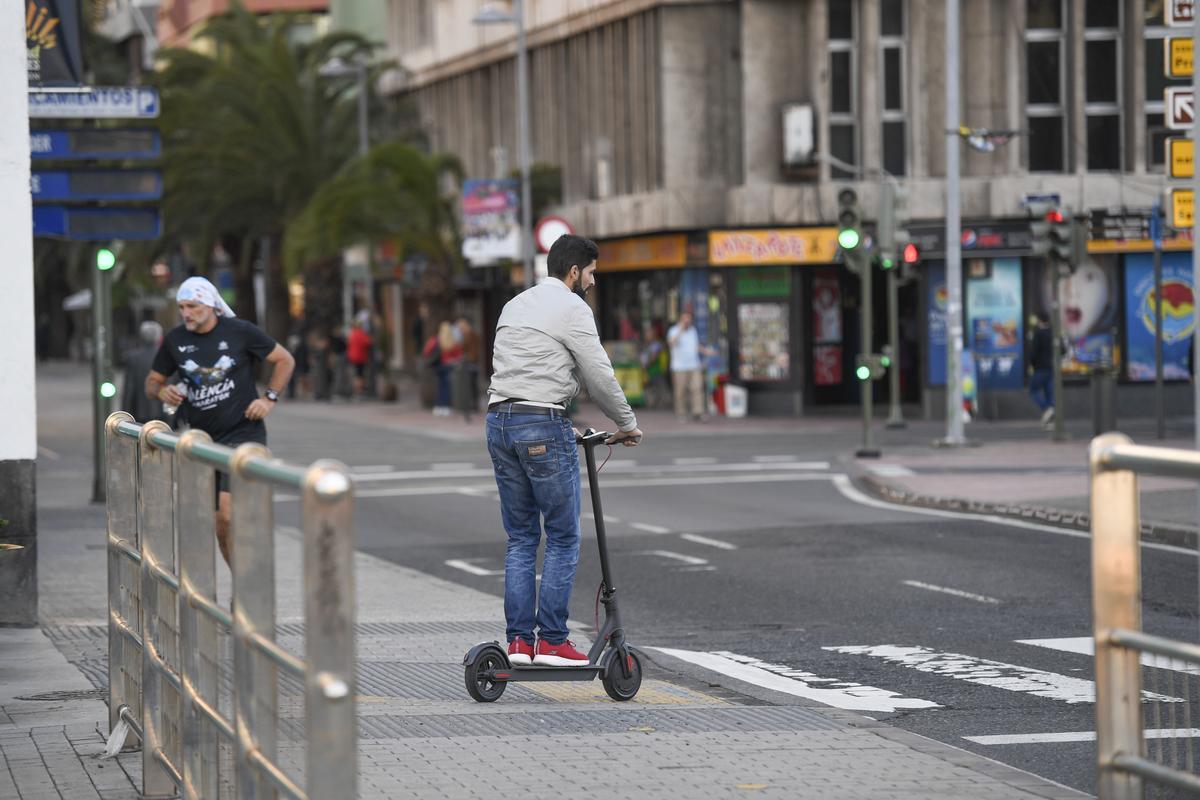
[{"x": 628, "y": 438}]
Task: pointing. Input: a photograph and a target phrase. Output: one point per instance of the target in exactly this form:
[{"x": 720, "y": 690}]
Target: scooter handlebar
[{"x": 592, "y": 437}]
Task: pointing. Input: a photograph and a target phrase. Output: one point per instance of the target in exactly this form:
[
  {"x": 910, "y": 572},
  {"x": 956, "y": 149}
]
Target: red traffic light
[
  {"x": 911, "y": 254},
  {"x": 1055, "y": 216}
]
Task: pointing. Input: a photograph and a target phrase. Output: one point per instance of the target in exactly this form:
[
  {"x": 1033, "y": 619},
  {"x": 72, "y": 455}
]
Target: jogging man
[
  {"x": 217, "y": 353},
  {"x": 546, "y": 341}
]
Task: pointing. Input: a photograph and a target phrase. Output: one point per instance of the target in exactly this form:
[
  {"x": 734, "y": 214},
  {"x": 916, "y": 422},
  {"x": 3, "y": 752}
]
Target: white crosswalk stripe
[{"x": 1086, "y": 645}]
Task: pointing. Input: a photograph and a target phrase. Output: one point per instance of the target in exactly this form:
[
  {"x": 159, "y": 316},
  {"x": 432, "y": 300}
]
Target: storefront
[{"x": 1106, "y": 316}]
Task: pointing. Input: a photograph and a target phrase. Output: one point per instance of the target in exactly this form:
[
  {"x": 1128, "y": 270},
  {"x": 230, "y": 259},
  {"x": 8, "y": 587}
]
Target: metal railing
[
  {"x": 1124, "y": 765},
  {"x": 163, "y": 635}
]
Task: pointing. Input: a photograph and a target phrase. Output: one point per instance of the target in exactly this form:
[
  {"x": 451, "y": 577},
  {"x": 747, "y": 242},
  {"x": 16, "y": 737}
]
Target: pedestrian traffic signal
[
  {"x": 911, "y": 254},
  {"x": 871, "y": 366},
  {"x": 105, "y": 259},
  {"x": 1060, "y": 236},
  {"x": 863, "y": 372},
  {"x": 108, "y": 389},
  {"x": 849, "y": 220}
]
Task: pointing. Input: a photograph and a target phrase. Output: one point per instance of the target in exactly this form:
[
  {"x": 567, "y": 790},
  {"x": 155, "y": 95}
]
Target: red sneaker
[
  {"x": 559, "y": 655},
  {"x": 520, "y": 652}
]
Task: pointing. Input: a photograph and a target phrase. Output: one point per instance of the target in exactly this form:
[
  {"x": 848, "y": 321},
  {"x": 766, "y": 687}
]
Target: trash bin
[
  {"x": 1104, "y": 400},
  {"x": 736, "y": 399}
]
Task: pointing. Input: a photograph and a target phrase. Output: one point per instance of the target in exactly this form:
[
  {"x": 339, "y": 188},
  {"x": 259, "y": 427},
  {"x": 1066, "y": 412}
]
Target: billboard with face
[{"x": 1088, "y": 302}]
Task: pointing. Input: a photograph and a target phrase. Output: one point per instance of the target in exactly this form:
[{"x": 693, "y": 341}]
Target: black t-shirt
[{"x": 218, "y": 368}]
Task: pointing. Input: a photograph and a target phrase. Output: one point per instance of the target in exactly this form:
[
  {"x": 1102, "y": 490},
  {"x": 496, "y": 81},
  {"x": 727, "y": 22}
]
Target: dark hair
[
  {"x": 1043, "y": 317},
  {"x": 569, "y": 251}
]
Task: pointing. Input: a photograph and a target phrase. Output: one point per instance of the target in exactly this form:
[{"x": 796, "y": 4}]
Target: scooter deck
[{"x": 547, "y": 673}]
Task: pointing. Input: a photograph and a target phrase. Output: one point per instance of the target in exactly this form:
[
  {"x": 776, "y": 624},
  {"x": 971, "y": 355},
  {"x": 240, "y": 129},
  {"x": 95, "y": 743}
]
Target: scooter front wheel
[
  {"x": 618, "y": 686},
  {"x": 480, "y": 685}
]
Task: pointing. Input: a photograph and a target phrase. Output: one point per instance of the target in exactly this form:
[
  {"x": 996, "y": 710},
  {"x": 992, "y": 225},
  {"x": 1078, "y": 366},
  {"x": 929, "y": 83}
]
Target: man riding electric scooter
[{"x": 546, "y": 341}]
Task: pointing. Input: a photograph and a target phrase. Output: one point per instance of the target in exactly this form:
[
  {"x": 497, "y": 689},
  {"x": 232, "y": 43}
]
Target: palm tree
[{"x": 252, "y": 132}]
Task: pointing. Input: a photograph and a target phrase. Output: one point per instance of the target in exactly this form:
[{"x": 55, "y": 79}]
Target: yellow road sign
[
  {"x": 1179, "y": 157},
  {"x": 1177, "y": 58},
  {"x": 1182, "y": 205}
]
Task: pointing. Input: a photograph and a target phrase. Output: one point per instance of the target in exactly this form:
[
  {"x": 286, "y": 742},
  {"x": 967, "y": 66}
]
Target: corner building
[{"x": 703, "y": 144}]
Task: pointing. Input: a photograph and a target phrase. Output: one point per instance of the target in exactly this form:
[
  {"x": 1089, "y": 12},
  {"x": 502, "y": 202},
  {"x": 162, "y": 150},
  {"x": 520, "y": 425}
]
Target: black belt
[{"x": 523, "y": 408}]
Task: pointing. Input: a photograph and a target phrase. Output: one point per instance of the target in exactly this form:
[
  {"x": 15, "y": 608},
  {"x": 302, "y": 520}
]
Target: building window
[
  {"x": 1102, "y": 84},
  {"x": 893, "y": 83},
  {"x": 412, "y": 24},
  {"x": 843, "y": 86},
  {"x": 1156, "y": 84},
  {"x": 1045, "y": 85}
]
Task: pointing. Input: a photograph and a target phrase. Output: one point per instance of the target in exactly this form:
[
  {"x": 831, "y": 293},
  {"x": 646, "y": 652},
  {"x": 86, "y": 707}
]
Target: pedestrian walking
[
  {"x": 358, "y": 350},
  {"x": 137, "y": 367},
  {"x": 466, "y": 394},
  {"x": 217, "y": 354},
  {"x": 546, "y": 344},
  {"x": 442, "y": 353},
  {"x": 1041, "y": 355},
  {"x": 687, "y": 374}
]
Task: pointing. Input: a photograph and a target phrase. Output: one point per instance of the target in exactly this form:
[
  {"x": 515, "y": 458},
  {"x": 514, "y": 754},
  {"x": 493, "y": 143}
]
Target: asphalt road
[{"x": 748, "y": 556}]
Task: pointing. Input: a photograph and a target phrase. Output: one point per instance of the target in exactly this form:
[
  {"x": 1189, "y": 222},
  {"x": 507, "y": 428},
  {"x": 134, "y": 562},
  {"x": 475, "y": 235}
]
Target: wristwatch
[{"x": 272, "y": 395}]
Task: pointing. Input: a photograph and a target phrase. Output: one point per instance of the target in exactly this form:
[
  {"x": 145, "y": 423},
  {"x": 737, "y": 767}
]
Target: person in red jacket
[
  {"x": 358, "y": 351},
  {"x": 443, "y": 352}
]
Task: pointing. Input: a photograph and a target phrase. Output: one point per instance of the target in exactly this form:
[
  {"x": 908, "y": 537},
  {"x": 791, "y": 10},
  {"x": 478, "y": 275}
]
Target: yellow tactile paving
[{"x": 652, "y": 693}]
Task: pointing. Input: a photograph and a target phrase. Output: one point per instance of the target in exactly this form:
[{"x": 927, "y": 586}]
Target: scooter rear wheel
[
  {"x": 619, "y": 687},
  {"x": 482, "y": 688}
]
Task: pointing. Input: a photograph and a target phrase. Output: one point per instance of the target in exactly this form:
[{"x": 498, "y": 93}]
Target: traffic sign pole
[
  {"x": 1195, "y": 30},
  {"x": 1156, "y": 237},
  {"x": 101, "y": 370}
]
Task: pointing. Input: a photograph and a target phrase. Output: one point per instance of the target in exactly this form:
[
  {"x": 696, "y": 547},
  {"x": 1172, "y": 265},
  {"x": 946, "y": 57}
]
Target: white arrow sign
[
  {"x": 1180, "y": 13},
  {"x": 1181, "y": 109}
]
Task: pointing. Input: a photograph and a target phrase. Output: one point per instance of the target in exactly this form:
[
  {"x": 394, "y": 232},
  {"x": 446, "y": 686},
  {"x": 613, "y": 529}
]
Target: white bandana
[{"x": 200, "y": 290}]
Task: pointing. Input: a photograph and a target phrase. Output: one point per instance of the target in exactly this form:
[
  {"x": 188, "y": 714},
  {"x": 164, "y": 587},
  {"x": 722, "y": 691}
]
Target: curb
[{"x": 1157, "y": 532}]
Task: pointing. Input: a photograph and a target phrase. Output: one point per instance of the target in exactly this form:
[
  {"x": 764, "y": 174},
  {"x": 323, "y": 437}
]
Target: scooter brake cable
[{"x": 606, "y": 458}]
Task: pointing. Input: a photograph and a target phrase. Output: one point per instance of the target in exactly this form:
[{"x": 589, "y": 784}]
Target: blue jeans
[
  {"x": 1041, "y": 388},
  {"x": 537, "y": 471}
]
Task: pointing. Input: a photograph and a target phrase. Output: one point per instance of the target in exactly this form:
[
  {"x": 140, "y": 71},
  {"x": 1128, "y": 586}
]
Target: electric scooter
[{"x": 619, "y": 666}]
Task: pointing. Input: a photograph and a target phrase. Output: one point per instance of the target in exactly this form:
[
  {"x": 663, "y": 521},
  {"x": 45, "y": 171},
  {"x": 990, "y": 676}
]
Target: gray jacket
[{"x": 546, "y": 340}]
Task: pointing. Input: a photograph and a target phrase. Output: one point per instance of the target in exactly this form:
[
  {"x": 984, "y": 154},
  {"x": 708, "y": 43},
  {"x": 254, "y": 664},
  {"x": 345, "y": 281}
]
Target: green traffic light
[
  {"x": 105, "y": 259},
  {"x": 848, "y": 238},
  {"x": 886, "y": 263},
  {"x": 108, "y": 389},
  {"x": 885, "y": 361},
  {"x": 863, "y": 372}
]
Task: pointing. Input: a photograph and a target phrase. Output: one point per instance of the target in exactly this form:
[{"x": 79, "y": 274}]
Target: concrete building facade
[{"x": 704, "y": 142}]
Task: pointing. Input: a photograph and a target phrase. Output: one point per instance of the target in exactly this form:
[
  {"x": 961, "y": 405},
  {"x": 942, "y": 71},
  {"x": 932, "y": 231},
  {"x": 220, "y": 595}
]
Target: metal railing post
[
  {"x": 328, "y": 514},
  {"x": 199, "y": 666},
  {"x": 253, "y": 561},
  {"x": 124, "y": 675},
  {"x": 1116, "y": 604},
  {"x": 156, "y": 526}
]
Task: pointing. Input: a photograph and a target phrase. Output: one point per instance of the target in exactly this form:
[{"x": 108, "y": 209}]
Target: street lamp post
[
  {"x": 490, "y": 15},
  {"x": 338, "y": 68}
]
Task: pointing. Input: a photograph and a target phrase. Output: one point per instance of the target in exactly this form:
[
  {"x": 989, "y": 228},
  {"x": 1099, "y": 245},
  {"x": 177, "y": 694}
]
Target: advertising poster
[
  {"x": 826, "y": 308},
  {"x": 53, "y": 49},
  {"x": 763, "y": 353},
  {"x": 994, "y": 325},
  {"x": 827, "y": 364},
  {"x": 1089, "y": 300},
  {"x": 935, "y": 324},
  {"x": 1178, "y": 304},
  {"x": 491, "y": 229}
]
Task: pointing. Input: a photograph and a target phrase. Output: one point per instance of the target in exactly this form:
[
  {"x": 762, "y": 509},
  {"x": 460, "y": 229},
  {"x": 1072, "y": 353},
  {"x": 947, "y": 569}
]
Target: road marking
[
  {"x": 691, "y": 537},
  {"x": 690, "y": 560},
  {"x": 843, "y": 484},
  {"x": 979, "y": 598},
  {"x": 648, "y": 528},
  {"x": 777, "y": 459},
  {"x": 698, "y": 460},
  {"x": 782, "y": 678},
  {"x": 371, "y": 469},
  {"x": 1077, "y": 736},
  {"x": 451, "y": 465},
  {"x": 451, "y": 470},
  {"x": 607, "y": 519},
  {"x": 891, "y": 470},
  {"x": 996, "y": 674},
  {"x": 619, "y": 483},
  {"x": 1086, "y": 646},
  {"x": 466, "y": 566}
]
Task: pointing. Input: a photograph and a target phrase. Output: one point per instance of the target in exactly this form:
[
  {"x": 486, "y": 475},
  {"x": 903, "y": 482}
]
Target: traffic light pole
[
  {"x": 895, "y": 415},
  {"x": 954, "y": 321},
  {"x": 101, "y": 368},
  {"x": 866, "y": 387}
]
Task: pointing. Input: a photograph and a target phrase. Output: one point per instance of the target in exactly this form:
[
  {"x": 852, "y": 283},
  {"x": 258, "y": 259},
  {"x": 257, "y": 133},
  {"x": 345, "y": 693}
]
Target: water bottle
[{"x": 170, "y": 408}]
